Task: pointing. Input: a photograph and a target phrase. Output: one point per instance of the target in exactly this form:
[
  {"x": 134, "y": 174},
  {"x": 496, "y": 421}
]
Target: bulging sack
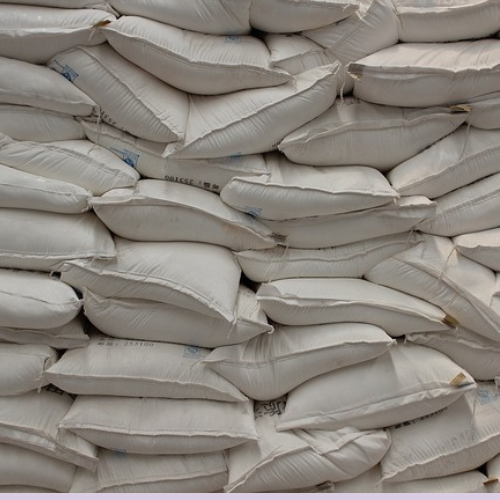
[
  {"x": 26, "y": 123},
  {"x": 313, "y": 301},
  {"x": 468, "y": 209},
  {"x": 216, "y": 17},
  {"x": 293, "y": 191},
  {"x": 34, "y": 85},
  {"x": 22, "y": 367},
  {"x": 472, "y": 481},
  {"x": 79, "y": 162},
  {"x": 160, "y": 426},
  {"x": 408, "y": 381},
  {"x": 132, "y": 473},
  {"x": 476, "y": 354},
  {"x": 37, "y": 470},
  {"x": 295, "y": 53},
  {"x": 344, "y": 261},
  {"x": 434, "y": 271},
  {"x": 463, "y": 157},
  {"x": 34, "y": 192},
  {"x": 194, "y": 62},
  {"x": 353, "y": 132},
  {"x": 460, "y": 438},
  {"x": 403, "y": 74},
  {"x": 31, "y": 421},
  {"x": 286, "y": 16},
  {"x": 481, "y": 246},
  {"x": 172, "y": 273},
  {"x": 35, "y": 300},
  {"x": 137, "y": 368},
  {"x": 211, "y": 174},
  {"x": 53, "y": 238},
  {"x": 255, "y": 120},
  {"x": 269, "y": 366},
  {"x": 35, "y": 34},
  {"x": 130, "y": 98},
  {"x": 370, "y": 29},
  {"x": 493, "y": 468},
  {"x": 440, "y": 21},
  {"x": 342, "y": 229},
  {"x": 285, "y": 460},
  {"x": 67, "y": 336},
  {"x": 146, "y": 320},
  {"x": 157, "y": 210}
]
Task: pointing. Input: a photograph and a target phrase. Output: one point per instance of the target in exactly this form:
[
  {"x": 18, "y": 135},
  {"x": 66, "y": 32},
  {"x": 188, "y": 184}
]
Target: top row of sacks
[{"x": 415, "y": 21}]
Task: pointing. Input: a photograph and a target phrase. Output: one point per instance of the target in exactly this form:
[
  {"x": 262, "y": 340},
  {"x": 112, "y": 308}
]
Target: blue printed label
[{"x": 127, "y": 156}]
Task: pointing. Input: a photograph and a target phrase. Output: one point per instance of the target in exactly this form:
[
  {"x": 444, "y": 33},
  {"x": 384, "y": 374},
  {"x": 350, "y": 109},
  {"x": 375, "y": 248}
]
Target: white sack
[
  {"x": 370, "y": 29},
  {"x": 313, "y": 301},
  {"x": 345, "y": 261},
  {"x": 217, "y": 17},
  {"x": 137, "y": 368},
  {"x": 461, "y": 437},
  {"x": 34, "y": 300},
  {"x": 403, "y": 74},
  {"x": 287, "y": 460},
  {"x": 463, "y": 157},
  {"x": 34, "y": 192},
  {"x": 269, "y": 366},
  {"x": 476, "y": 354},
  {"x": 286, "y": 16},
  {"x": 434, "y": 271},
  {"x": 34, "y": 85},
  {"x": 295, "y": 53},
  {"x": 493, "y": 468},
  {"x": 128, "y": 473},
  {"x": 469, "y": 209},
  {"x": 22, "y": 367},
  {"x": 34, "y": 34},
  {"x": 24, "y": 489},
  {"x": 31, "y": 421},
  {"x": 148, "y": 320},
  {"x": 64, "y": 4},
  {"x": 37, "y": 470},
  {"x": 481, "y": 246},
  {"x": 444, "y": 21},
  {"x": 197, "y": 276},
  {"x": 370, "y": 482},
  {"x": 159, "y": 426},
  {"x": 194, "y": 62},
  {"x": 130, "y": 98},
  {"x": 293, "y": 191},
  {"x": 79, "y": 162},
  {"x": 408, "y": 381},
  {"x": 146, "y": 156},
  {"x": 484, "y": 111},
  {"x": 343, "y": 229},
  {"x": 255, "y": 120},
  {"x": 68, "y": 336},
  {"x": 26, "y": 123},
  {"x": 53, "y": 238},
  {"x": 353, "y": 132},
  {"x": 157, "y": 210}
]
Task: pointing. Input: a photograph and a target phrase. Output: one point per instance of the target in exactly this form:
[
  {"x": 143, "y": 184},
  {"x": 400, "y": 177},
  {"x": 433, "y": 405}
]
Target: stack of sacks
[
  {"x": 174, "y": 242},
  {"x": 455, "y": 266},
  {"x": 161, "y": 419},
  {"x": 48, "y": 174},
  {"x": 273, "y": 243}
]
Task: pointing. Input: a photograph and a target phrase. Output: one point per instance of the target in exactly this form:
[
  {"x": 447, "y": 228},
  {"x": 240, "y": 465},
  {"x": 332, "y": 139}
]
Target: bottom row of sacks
[{"x": 408, "y": 420}]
